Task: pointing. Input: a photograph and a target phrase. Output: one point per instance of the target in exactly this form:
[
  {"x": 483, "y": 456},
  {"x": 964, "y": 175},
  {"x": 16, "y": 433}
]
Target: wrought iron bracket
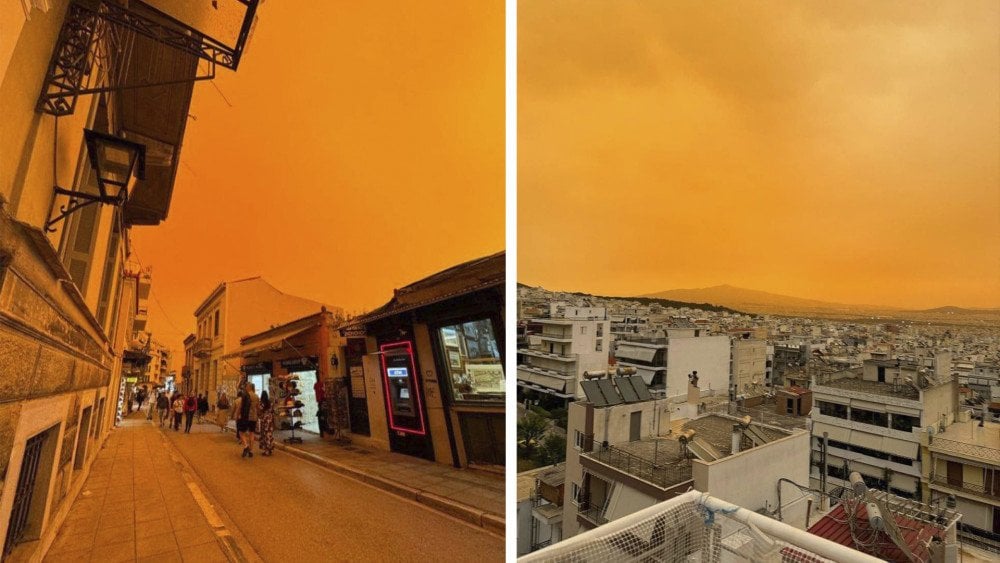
[
  {"x": 76, "y": 50},
  {"x": 77, "y": 201}
]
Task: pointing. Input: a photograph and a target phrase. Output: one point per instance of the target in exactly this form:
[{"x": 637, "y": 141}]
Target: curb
[{"x": 490, "y": 522}]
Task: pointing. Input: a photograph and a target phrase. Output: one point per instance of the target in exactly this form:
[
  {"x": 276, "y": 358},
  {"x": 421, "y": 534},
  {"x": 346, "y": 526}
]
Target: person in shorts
[{"x": 245, "y": 413}]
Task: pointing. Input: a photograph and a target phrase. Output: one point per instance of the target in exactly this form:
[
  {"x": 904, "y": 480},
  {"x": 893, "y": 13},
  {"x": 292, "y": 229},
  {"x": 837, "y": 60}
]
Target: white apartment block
[
  {"x": 625, "y": 457},
  {"x": 748, "y": 369},
  {"x": 558, "y": 356},
  {"x": 872, "y": 419}
]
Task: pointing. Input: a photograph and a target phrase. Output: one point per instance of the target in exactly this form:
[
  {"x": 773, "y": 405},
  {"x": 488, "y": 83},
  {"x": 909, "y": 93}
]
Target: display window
[{"x": 473, "y": 361}]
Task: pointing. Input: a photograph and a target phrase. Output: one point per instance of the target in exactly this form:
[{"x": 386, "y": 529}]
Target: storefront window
[{"x": 472, "y": 360}]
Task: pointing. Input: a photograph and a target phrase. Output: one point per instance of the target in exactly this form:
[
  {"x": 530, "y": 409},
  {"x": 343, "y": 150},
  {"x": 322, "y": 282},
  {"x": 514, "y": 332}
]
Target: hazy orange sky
[
  {"x": 845, "y": 151},
  {"x": 364, "y": 149}
]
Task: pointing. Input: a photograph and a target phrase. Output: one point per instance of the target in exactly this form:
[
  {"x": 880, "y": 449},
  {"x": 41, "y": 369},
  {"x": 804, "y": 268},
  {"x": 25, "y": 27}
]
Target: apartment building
[
  {"x": 666, "y": 363},
  {"x": 748, "y": 380},
  {"x": 540, "y": 494},
  {"x": 962, "y": 466},
  {"x": 871, "y": 419},
  {"x": 563, "y": 350},
  {"x": 232, "y": 310},
  {"x": 624, "y": 454},
  {"x": 85, "y": 155}
]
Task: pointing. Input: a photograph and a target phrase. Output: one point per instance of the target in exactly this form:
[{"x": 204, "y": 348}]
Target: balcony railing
[
  {"x": 594, "y": 514},
  {"x": 557, "y": 335},
  {"x": 563, "y": 372},
  {"x": 542, "y": 353},
  {"x": 659, "y": 474},
  {"x": 202, "y": 347},
  {"x": 964, "y": 449},
  {"x": 972, "y": 488}
]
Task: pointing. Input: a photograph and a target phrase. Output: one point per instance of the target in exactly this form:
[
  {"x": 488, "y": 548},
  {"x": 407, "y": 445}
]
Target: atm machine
[{"x": 408, "y": 432}]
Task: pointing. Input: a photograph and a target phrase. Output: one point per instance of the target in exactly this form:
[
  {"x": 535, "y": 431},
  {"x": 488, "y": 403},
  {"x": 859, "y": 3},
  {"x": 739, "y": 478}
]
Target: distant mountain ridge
[
  {"x": 762, "y": 301},
  {"x": 645, "y": 300}
]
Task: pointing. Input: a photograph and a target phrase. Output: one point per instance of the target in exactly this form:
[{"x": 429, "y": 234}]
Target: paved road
[{"x": 293, "y": 510}]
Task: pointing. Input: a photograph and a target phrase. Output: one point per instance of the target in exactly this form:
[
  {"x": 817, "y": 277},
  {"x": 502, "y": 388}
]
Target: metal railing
[
  {"x": 981, "y": 490},
  {"x": 557, "y": 335},
  {"x": 969, "y": 450},
  {"x": 24, "y": 492},
  {"x": 541, "y": 352},
  {"x": 547, "y": 371},
  {"x": 202, "y": 347},
  {"x": 594, "y": 514},
  {"x": 661, "y": 475}
]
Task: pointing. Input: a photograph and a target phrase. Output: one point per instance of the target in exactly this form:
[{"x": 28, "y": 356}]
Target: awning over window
[{"x": 642, "y": 354}]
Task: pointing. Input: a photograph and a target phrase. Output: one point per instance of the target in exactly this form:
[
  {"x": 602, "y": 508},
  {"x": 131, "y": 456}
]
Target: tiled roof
[{"x": 835, "y": 527}]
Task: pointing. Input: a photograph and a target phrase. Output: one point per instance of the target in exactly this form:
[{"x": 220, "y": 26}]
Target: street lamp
[{"x": 116, "y": 163}]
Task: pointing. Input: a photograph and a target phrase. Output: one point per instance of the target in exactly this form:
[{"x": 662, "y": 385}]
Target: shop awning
[
  {"x": 274, "y": 342},
  {"x": 638, "y": 353}
]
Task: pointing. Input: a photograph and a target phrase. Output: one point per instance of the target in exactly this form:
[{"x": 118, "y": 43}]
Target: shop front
[{"x": 440, "y": 357}]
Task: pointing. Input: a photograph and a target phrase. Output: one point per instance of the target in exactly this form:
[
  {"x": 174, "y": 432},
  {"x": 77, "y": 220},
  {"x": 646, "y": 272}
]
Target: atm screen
[
  {"x": 404, "y": 393},
  {"x": 398, "y": 372}
]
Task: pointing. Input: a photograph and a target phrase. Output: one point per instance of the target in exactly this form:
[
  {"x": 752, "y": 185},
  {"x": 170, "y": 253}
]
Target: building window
[
  {"x": 578, "y": 440},
  {"x": 472, "y": 359},
  {"x": 583, "y": 329},
  {"x": 904, "y": 423},
  {"x": 599, "y": 346},
  {"x": 870, "y": 417},
  {"x": 832, "y": 409},
  {"x": 216, "y": 322}
]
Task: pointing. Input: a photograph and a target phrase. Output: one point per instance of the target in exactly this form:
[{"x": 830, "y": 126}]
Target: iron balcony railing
[
  {"x": 659, "y": 474},
  {"x": 594, "y": 514},
  {"x": 973, "y": 488},
  {"x": 202, "y": 347}
]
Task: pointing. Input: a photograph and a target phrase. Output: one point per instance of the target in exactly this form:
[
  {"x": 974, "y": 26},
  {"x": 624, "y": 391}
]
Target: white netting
[{"x": 689, "y": 529}]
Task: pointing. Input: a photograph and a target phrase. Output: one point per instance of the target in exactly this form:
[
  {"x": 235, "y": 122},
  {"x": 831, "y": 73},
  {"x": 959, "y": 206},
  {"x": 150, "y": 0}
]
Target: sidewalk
[
  {"x": 469, "y": 494},
  {"x": 139, "y": 504}
]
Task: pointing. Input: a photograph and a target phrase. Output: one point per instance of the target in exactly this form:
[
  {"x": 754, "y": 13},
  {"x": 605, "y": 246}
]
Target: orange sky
[
  {"x": 845, "y": 151},
  {"x": 364, "y": 150}
]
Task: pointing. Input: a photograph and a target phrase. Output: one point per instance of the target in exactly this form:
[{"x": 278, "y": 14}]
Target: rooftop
[
  {"x": 969, "y": 440},
  {"x": 664, "y": 460},
  {"x": 901, "y": 390}
]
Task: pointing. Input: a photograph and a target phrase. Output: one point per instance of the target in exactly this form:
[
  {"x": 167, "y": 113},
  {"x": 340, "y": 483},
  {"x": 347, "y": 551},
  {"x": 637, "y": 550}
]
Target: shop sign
[
  {"x": 312, "y": 362},
  {"x": 131, "y": 380},
  {"x": 486, "y": 378},
  {"x": 353, "y": 332},
  {"x": 258, "y": 368}
]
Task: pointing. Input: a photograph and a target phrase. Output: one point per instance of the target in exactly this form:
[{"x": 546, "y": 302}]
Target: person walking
[
  {"x": 265, "y": 419},
  {"x": 178, "y": 406},
  {"x": 222, "y": 411},
  {"x": 190, "y": 407},
  {"x": 162, "y": 406},
  {"x": 245, "y": 412},
  {"x": 202, "y": 408}
]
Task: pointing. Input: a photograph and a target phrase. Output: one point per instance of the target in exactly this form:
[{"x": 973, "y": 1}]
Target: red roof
[{"x": 834, "y": 527}]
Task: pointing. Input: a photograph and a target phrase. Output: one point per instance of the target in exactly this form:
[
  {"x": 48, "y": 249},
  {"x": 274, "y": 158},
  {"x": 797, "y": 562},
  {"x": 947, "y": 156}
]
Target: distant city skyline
[{"x": 841, "y": 152}]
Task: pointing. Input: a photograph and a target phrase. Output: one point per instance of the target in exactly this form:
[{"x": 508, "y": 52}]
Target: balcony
[
  {"x": 565, "y": 336},
  {"x": 202, "y": 348},
  {"x": 540, "y": 353},
  {"x": 965, "y": 450},
  {"x": 663, "y": 473},
  {"x": 594, "y": 514},
  {"x": 989, "y": 493}
]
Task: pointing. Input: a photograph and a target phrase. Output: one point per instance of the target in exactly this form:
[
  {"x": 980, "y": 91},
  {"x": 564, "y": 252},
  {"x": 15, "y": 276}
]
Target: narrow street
[
  {"x": 288, "y": 508},
  {"x": 141, "y": 504}
]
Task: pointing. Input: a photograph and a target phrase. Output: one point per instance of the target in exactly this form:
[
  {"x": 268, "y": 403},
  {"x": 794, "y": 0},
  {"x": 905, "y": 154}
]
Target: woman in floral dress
[{"x": 265, "y": 417}]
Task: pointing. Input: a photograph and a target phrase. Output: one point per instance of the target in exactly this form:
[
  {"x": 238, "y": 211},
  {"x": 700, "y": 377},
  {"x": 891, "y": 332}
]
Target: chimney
[{"x": 737, "y": 438}]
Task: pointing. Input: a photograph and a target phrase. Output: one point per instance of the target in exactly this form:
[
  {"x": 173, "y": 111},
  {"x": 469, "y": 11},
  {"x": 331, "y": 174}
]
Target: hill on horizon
[{"x": 750, "y": 299}]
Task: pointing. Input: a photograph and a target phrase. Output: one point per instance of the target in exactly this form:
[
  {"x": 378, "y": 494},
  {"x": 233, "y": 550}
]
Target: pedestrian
[
  {"x": 190, "y": 407},
  {"x": 245, "y": 412},
  {"x": 178, "y": 406},
  {"x": 202, "y": 408},
  {"x": 162, "y": 406},
  {"x": 222, "y": 411},
  {"x": 139, "y": 397},
  {"x": 266, "y": 422}
]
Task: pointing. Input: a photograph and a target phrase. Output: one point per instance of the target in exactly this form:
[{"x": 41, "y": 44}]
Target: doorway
[{"x": 307, "y": 394}]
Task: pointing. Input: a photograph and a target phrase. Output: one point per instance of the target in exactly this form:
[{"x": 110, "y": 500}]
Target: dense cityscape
[{"x": 648, "y": 398}]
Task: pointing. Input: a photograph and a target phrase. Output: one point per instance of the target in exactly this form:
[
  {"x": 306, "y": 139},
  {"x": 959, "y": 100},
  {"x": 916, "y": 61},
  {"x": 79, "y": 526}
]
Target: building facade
[
  {"x": 84, "y": 157},
  {"x": 563, "y": 349},
  {"x": 438, "y": 351},
  {"x": 233, "y": 310}
]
